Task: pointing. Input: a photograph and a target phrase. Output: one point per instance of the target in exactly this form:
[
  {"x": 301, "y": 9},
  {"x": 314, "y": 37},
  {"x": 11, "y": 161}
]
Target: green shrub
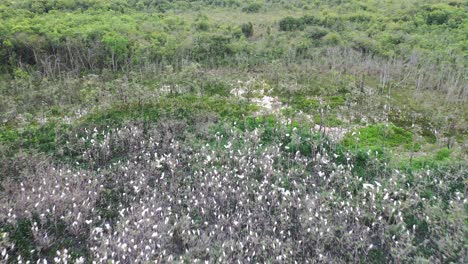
[
  {"x": 364, "y": 44},
  {"x": 329, "y": 121},
  {"x": 360, "y": 18},
  {"x": 437, "y": 17},
  {"x": 212, "y": 88},
  {"x": 376, "y": 255},
  {"x": 443, "y": 154},
  {"x": 33, "y": 136},
  {"x": 117, "y": 47},
  {"x": 379, "y": 135},
  {"x": 311, "y": 20},
  {"x": 212, "y": 46},
  {"x": 302, "y": 103},
  {"x": 202, "y": 25},
  {"x": 26, "y": 246},
  {"x": 332, "y": 39},
  {"x": 291, "y": 24},
  {"x": 182, "y": 107},
  {"x": 442, "y": 14},
  {"x": 335, "y": 101},
  {"x": 252, "y": 8},
  {"x": 317, "y": 32},
  {"x": 247, "y": 29}
]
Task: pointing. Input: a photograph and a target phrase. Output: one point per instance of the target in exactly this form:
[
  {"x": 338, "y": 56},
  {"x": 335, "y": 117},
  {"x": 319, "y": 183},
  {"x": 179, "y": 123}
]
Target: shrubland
[{"x": 233, "y": 131}]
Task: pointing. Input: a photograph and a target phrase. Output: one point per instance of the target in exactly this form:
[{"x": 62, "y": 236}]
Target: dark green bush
[
  {"x": 332, "y": 39},
  {"x": 442, "y": 14},
  {"x": 212, "y": 88},
  {"x": 364, "y": 44},
  {"x": 311, "y": 20},
  {"x": 317, "y": 32},
  {"x": 379, "y": 135},
  {"x": 252, "y": 8},
  {"x": 302, "y": 103},
  {"x": 203, "y": 25},
  {"x": 298, "y": 23},
  {"x": 247, "y": 29},
  {"x": 291, "y": 24},
  {"x": 443, "y": 154},
  {"x": 212, "y": 46}
]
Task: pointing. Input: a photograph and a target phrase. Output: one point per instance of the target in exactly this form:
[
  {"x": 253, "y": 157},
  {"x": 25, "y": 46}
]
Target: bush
[
  {"x": 316, "y": 32},
  {"x": 202, "y": 25},
  {"x": 247, "y": 29},
  {"x": 443, "y": 154},
  {"x": 252, "y": 8},
  {"x": 212, "y": 88},
  {"x": 332, "y": 39},
  {"x": 379, "y": 135},
  {"x": 291, "y": 24},
  {"x": 437, "y": 17},
  {"x": 336, "y": 101},
  {"x": 364, "y": 44},
  {"x": 212, "y": 46},
  {"x": 307, "y": 105},
  {"x": 443, "y": 14},
  {"x": 311, "y": 20}
]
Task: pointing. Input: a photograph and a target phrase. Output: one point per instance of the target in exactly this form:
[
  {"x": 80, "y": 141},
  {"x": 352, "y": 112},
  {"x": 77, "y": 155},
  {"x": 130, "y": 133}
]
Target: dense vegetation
[{"x": 233, "y": 131}]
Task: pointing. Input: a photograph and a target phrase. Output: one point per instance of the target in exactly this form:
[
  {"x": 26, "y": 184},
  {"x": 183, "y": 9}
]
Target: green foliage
[
  {"x": 202, "y": 23},
  {"x": 438, "y": 160},
  {"x": 377, "y": 136},
  {"x": 32, "y": 137},
  {"x": 120, "y": 34},
  {"x": 335, "y": 101},
  {"x": 213, "y": 47},
  {"x": 117, "y": 46},
  {"x": 108, "y": 202},
  {"x": 443, "y": 14},
  {"x": 328, "y": 121},
  {"x": 302, "y": 103},
  {"x": 212, "y": 88},
  {"x": 19, "y": 73},
  {"x": 299, "y": 23},
  {"x": 376, "y": 256},
  {"x": 332, "y": 39},
  {"x": 317, "y": 32},
  {"x": 21, "y": 235},
  {"x": 183, "y": 107},
  {"x": 366, "y": 163},
  {"x": 252, "y": 8},
  {"x": 291, "y": 24},
  {"x": 443, "y": 154},
  {"x": 25, "y": 245},
  {"x": 247, "y": 29},
  {"x": 49, "y": 137},
  {"x": 364, "y": 44}
]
